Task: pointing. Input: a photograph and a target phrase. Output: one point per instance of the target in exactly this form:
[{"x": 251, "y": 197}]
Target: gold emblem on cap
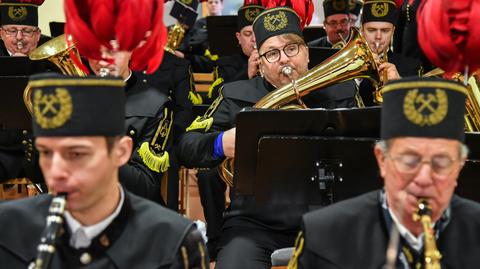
[
  {"x": 186, "y": 2},
  {"x": 425, "y": 108},
  {"x": 52, "y": 110},
  {"x": 17, "y": 13},
  {"x": 251, "y": 14},
  {"x": 338, "y": 5},
  {"x": 379, "y": 9},
  {"x": 275, "y": 22}
]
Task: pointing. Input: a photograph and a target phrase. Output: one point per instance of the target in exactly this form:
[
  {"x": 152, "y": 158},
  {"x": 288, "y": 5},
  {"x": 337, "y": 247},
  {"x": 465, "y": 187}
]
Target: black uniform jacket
[
  {"x": 321, "y": 42},
  {"x": 144, "y": 109},
  {"x": 405, "y": 66},
  {"x": 352, "y": 234},
  {"x": 230, "y": 68},
  {"x": 196, "y": 150},
  {"x": 144, "y": 235},
  {"x": 194, "y": 45}
]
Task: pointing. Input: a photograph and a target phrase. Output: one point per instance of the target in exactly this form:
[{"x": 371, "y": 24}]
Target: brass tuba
[
  {"x": 472, "y": 104},
  {"x": 58, "y": 52},
  {"x": 432, "y": 255},
  {"x": 355, "y": 60}
]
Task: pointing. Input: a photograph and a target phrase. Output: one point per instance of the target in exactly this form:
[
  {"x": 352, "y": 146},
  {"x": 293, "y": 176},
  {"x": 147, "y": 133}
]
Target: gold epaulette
[
  {"x": 293, "y": 263},
  {"x": 209, "y": 55},
  {"x": 205, "y": 122},
  {"x": 214, "y": 85}
]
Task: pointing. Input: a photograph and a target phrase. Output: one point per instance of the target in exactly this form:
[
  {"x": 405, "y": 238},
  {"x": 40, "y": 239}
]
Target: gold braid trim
[
  {"x": 184, "y": 252},
  {"x": 153, "y": 154},
  {"x": 214, "y": 85},
  {"x": 209, "y": 55},
  {"x": 293, "y": 263},
  {"x": 205, "y": 122},
  {"x": 203, "y": 257}
]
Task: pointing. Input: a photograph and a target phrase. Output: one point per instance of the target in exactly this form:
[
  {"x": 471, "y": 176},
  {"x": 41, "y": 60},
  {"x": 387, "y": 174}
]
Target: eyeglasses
[
  {"x": 441, "y": 165},
  {"x": 14, "y": 31},
  {"x": 290, "y": 50},
  {"x": 334, "y": 24}
]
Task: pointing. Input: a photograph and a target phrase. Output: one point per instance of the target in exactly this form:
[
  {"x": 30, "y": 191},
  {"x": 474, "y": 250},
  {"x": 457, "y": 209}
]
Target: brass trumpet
[
  {"x": 383, "y": 58},
  {"x": 355, "y": 60},
  {"x": 432, "y": 255}
]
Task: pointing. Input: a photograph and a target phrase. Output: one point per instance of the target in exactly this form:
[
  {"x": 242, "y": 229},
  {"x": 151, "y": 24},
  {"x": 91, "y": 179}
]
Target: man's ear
[
  {"x": 237, "y": 34},
  {"x": 380, "y": 156},
  {"x": 123, "y": 150}
]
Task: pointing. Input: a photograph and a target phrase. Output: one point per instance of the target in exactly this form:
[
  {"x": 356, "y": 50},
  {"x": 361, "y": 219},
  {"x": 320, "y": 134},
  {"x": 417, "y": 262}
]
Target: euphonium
[
  {"x": 432, "y": 255},
  {"x": 175, "y": 37},
  {"x": 355, "y": 60},
  {"x": 46, "y": 247},
  {"x": 59, "y": 52}
]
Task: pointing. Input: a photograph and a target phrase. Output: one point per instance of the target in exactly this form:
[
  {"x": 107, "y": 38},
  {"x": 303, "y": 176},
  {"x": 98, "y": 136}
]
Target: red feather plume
[
  {"x": 94, "y": 23},
  {"x": 449, "y": 34},
  {"x": 303, "y": 8}
]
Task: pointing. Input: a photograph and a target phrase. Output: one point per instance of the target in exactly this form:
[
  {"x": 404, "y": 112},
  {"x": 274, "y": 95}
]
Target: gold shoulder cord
[
  {"x": 293, "y": 263},
  {"x": 153, "y": 154},
  {"x": 205, "y": 122},
  {"x": 193, "y": 95}
]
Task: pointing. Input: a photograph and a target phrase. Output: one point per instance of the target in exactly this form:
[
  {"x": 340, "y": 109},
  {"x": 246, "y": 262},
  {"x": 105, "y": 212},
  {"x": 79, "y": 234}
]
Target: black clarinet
[{"x": 46, "y": 247}]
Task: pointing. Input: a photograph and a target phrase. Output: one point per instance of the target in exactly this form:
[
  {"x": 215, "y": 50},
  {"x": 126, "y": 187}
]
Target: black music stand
[
  {"x": 252, "y": 125},
  {"x": 13, "y": 113},
  {"x": 221, "y": 38},
  {"x": 318, "y": 55},
  {"x": 314, "y": 170}
]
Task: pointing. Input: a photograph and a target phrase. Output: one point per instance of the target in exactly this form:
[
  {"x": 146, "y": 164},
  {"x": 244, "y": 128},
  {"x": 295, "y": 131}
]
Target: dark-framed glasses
[
  {"x": 25, "y": 32},
  {"x": 334, "y": 24},
  {"x": 441, "y": 165},
  {"x": 274, "y": 55}
]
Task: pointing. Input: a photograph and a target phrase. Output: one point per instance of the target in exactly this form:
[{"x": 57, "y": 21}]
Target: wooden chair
[{"x": 17, "y": 188}]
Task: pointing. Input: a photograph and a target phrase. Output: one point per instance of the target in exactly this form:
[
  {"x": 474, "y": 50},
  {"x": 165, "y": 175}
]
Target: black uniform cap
[
  {"x": 332, "y": 7},
  {"x": 380, "y": 10},
  {"x": 191, "y": 3},
  {"x": 274, "y": 22},
  {"x": 355, "y": 6},
  {"x": 247, "y": 14},
  {"x": 423, "y": 107},
  {"x": 17, "y": 13},
  {"x": 77, "y": 106}
]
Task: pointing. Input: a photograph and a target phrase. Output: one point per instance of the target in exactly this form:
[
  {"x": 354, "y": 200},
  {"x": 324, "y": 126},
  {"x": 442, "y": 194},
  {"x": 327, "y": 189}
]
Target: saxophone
[
  {"x": 432, "y": 255},
  {"x": 46, "y": 247}
]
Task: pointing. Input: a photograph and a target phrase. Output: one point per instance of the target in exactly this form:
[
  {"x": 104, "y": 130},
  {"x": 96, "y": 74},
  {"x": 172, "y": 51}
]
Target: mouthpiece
[
  {"x": 287, "y": 71},
  {"x": 19, "y": 45},
  {"x": 104, "y": 72}
]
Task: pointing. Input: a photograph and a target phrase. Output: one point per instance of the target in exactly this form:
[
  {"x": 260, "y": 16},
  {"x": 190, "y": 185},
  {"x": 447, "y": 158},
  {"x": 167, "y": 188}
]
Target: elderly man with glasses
[
  {"x": 337, "y": 24},
  {"x": 19, "y": 27},
  {"x": 420, "y": 156}
]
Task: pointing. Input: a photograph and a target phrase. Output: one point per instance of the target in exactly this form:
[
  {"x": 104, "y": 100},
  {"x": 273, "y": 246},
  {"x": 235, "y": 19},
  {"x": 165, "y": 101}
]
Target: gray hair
[{"x": 384, "y": 145}]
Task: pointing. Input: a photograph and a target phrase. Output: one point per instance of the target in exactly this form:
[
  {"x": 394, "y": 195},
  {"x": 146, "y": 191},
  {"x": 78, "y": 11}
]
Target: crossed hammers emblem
[
  {"x": 426, "y": 103},
  {"x": 49, "y": 101}
]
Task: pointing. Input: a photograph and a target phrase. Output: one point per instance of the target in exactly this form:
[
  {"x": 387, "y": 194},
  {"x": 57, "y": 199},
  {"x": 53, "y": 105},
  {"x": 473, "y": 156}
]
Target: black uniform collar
[
  {"x": 100, "y": 243},
  {"x": 132, "y": 80}
]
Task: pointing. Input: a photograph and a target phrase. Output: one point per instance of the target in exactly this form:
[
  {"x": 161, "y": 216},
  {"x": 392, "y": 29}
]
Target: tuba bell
[
  {"x": 59, "y": 52},
  {"x": 175, "y": 38},
  {"x": 355, "y": 60}
]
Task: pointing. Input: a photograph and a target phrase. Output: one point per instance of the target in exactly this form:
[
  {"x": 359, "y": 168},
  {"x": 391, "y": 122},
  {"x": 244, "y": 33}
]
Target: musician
[
  {"x": 420, "y": 155},
  {"x": 82, "y": 146},
  {"x": 251, "y": 232},
  {"x": 149, "y": 118},
  {"x": 19, "y": 29},
  {"x": 378, "y": 27},
  {"x": 242, "y": 65},
  {"x": 20, "y": 35},
  {"x": 195, "y": 45},
  {"x": 337, "y": 23}
]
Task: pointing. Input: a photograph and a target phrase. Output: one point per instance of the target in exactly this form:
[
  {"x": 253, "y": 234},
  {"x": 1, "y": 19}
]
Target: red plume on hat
[
  {"x": 303, "y": 8},
  {"x": 94, "y": 23},
  {"x": 449, "y": 33}
]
